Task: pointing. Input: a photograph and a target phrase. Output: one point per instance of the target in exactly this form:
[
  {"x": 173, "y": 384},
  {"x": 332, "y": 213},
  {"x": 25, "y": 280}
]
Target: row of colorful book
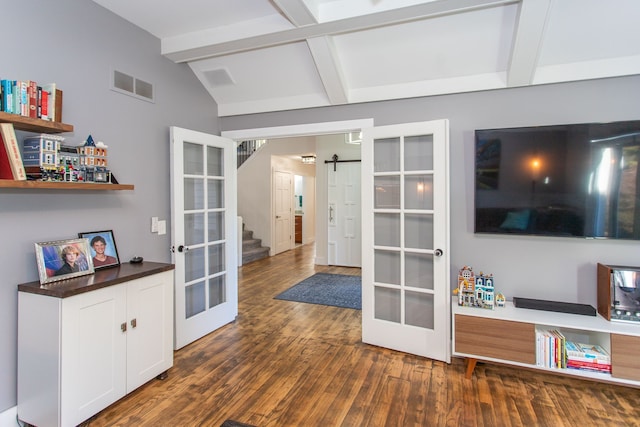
[
  {"x": 29, "y": 99},
  {"x": 555, "y": 351}
]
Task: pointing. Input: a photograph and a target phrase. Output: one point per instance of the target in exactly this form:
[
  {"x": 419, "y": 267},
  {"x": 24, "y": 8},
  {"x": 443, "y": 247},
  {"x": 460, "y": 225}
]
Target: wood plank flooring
[{"x": 283, "y": 363}]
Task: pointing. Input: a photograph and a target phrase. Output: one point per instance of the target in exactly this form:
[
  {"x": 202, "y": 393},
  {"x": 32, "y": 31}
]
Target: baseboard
[
  {"x": 8, "y": 417},
  {"x": 320, "y": 261}
]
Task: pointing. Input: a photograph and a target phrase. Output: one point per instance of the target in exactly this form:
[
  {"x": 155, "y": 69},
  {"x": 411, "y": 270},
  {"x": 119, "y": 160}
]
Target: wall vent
[
  {"x": 218, "y": 77},
  {"x": 132, "y": 86}
]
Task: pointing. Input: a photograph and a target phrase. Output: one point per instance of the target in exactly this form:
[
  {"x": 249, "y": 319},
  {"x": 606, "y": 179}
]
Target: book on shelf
[
  {"x": 550, "y": 348},
  {"x": 7, "y": 95},
  {"x": 588, "y": 351},
  {"x": 54, "y": 104},
  {"x": 589, "y": 366},
  {"x": 32, "y": 93},
  {"x": 11, "y": 166}
]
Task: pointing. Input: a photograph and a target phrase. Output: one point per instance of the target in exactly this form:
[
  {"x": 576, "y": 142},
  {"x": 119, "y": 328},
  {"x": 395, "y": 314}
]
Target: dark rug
[
  {"x": 233, "y": 423},
  {"x": 339, "y": 290}
]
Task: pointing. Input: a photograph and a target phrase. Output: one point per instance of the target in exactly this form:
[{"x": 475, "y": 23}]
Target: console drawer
[{"x": 497, "y": 339}]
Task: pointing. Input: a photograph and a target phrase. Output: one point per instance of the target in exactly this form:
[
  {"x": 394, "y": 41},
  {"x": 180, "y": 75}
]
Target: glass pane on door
[{"x": 192, "y": 155}]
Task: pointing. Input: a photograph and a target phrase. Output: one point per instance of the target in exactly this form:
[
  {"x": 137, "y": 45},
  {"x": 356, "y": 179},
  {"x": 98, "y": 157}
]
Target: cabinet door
[
  {"x": 624, "y": 356},
  {"x": 150, "y": 328},
  {"x": 93, "y": 353},
  {"x": 498, "y": 339}
]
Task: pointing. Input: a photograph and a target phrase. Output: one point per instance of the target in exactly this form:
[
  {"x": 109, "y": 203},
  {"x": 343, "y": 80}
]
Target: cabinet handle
[
  {"x": 123, "y": 327},
  {"x": 134, "y": 323}
]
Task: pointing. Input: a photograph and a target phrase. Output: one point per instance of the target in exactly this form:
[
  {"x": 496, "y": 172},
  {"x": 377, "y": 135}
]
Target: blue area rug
[{"x": 337, "y": 290}]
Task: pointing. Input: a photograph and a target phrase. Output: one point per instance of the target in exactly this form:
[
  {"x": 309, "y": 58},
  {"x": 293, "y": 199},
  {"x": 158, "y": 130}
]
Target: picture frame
[
  {"x": 103, "y": 249},
  {"x": 63, "y": 259}
]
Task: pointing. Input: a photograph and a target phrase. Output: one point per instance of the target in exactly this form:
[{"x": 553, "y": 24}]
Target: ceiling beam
[
  {"x": 296, "y": 12},
  {"x": 530, "y": 27},
  {"x": 326, "y": 60},
  {"x": 358, "y": 23}
]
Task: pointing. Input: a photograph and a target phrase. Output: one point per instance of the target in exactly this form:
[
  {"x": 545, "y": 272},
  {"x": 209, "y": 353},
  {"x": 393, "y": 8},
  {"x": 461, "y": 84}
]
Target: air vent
[
  {"x": 218, "y": 77},
  {"x": 132, "y": 86}
]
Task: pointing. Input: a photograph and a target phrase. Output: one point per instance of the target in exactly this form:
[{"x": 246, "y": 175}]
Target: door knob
[
  {"x": 183, "y": 248},
  {"x": 438, "y": 252}
]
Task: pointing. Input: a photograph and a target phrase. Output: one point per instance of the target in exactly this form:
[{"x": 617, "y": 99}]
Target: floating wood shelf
[
  {"x": 48, "y": 185},
  {"x": 34, "y": 125}
]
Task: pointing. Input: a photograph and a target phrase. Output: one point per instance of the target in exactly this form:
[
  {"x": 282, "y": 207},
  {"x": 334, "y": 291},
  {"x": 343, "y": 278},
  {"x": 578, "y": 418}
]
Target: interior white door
[
  {"x": 203, "y": 233},
  {"x": 344, "y": 216},
  {"x": 283, "y": 202},
  {"x": 405, "y": 272}
]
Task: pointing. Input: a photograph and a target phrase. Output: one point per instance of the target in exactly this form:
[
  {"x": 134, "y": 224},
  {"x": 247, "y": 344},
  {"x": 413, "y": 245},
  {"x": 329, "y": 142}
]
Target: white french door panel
[
  {"x": 203, "y": 233},
  {"x": 405, "y": 238}
]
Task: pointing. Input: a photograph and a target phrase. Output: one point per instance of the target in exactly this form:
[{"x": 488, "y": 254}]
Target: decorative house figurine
[
  {"x": 40, "y": 156},
  {"x": 93, "y": 161},
  {"x": 475, "y": 291},
  {"x": 500, "y": 300},
  {"x": 466, "y": 284},
  {"x": 484, "y": 291}
]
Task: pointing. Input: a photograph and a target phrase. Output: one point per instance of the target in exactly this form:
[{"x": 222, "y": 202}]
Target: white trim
[
  {"x": 9, "y": 417},
  {"x": 298, "y": 130}
]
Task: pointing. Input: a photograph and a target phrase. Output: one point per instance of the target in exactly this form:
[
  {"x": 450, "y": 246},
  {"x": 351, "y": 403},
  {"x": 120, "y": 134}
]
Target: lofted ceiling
[{"x": 268, "y": 55}]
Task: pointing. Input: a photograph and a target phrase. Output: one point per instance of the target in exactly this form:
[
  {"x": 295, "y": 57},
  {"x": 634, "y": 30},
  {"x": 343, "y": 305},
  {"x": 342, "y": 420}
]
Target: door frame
[{"x": 307, "y": 129}]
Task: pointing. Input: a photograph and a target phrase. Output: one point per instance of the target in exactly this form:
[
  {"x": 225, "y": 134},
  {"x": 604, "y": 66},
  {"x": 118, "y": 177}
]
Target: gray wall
[
  {"x": 561, "y": 269},
  {"x": 75, "y": 43}
]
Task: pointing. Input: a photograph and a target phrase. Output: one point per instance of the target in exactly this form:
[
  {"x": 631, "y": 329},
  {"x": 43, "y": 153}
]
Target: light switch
[
  {"x": 154, "y": 224},
  {"x": 162, "y": 227}
]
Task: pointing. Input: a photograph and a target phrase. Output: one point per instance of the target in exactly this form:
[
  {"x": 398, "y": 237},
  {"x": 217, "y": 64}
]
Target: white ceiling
[{"x": 269, "y": 55}]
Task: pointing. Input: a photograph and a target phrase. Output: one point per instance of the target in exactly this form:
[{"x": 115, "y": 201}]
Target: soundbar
[{"x": 559, "y": 307}]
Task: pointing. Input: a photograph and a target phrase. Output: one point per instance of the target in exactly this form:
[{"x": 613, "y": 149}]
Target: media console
[{"x": 507, "y": 335}]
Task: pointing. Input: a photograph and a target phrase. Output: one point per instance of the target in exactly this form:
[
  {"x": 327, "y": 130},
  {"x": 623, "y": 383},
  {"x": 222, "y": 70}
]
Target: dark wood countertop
[{"x": 100, "y": 279}]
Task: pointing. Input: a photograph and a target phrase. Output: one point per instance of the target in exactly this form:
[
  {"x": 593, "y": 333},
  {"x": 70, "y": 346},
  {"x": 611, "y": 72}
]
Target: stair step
[
  {"x": 250, "y": 244},
  {"x": 254, "y": 254},
  {"x": 252, "y": 249}
]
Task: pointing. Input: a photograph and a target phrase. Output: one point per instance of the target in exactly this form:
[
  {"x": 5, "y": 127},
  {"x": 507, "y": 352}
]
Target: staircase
[{"x": 252, "y": 249}]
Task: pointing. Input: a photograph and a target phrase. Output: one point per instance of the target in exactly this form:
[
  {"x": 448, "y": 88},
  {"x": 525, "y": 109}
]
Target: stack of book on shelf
[
  {"x": 11, "y": 166},
  {"x": 588, "y": 357},
  {"x": 550, "y": 349},
  {"x": 30, "y": 99}
]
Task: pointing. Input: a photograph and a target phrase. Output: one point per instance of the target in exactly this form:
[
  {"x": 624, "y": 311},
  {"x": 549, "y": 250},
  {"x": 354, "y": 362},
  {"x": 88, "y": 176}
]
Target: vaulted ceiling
[{"x": 267, "y": 55}]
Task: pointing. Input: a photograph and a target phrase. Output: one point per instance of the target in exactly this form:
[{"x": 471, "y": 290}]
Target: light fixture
[
  {"x": 309, "y": 160},
  {"x": 353, "y": 137}
]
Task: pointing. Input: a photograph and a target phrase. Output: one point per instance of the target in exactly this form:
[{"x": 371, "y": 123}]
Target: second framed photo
[{"x": 104, "y": 252}]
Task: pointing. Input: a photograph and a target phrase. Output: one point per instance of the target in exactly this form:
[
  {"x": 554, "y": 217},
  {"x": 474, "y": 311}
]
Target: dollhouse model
[
  {"x": 93, "y": 161},
  {"x": 41, "y": 152},
  {"x": 475, "y": 291},
  {"x": 47, "y": 159}
]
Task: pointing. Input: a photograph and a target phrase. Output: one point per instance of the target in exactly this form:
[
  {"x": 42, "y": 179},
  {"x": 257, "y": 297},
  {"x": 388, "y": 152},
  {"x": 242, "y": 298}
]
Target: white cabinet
[
  {"x": 80, "y": 353},
  {"x": 507, "y": 336}
]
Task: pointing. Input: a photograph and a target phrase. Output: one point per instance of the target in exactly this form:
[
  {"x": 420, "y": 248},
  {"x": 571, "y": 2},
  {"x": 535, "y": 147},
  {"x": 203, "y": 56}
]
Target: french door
[
  {"x": 203, "y": 233},
  {"x": 405, "y": 274}
]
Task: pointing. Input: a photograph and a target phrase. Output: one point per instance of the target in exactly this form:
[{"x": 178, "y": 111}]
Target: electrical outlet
[{"x": 154, "y": 224}]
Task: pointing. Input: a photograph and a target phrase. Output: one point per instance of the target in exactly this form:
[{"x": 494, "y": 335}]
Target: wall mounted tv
[{"x": 574, "y": 180}]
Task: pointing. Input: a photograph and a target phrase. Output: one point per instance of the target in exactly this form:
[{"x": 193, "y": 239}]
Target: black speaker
[{"x": 560, "y": 307}]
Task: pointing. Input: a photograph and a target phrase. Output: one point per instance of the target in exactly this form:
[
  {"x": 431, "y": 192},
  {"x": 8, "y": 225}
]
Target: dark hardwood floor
[{"x": 283, "y": 363}]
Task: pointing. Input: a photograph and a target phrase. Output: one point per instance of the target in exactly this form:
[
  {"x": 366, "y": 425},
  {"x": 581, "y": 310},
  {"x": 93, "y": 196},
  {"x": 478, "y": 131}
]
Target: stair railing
[{"x": 247, "y": 148}]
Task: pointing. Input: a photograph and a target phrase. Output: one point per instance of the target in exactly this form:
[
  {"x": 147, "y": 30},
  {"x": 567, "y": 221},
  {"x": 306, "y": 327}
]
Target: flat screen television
[{"x": 574, "y": 180}]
